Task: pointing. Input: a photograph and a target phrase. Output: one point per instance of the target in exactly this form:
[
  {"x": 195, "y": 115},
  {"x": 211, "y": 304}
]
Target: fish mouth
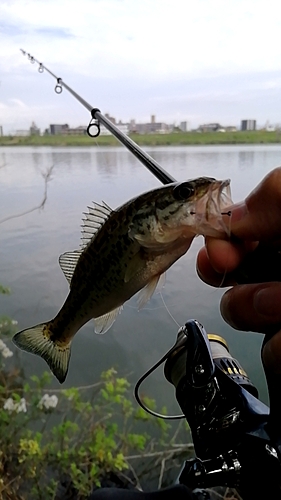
[
  {"x": 223, "y": 196},
  {"x": 211, "y": 211}
]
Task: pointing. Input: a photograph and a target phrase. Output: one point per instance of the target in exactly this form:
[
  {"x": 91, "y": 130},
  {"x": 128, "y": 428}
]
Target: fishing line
[{"x": 170, "y": 314}]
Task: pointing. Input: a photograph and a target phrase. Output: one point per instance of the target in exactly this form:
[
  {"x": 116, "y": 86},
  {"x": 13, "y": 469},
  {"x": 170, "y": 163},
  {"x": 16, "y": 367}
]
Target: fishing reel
[{"x": 234, "y": 441}]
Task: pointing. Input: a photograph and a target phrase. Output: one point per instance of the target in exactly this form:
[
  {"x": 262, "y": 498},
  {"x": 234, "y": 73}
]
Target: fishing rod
[{"x": 93, "y": 129}]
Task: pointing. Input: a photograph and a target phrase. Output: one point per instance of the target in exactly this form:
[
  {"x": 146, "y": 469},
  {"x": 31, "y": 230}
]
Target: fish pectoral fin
[
  {"x": 150, "y": 243},
  {"x": 68, "y": 262},
  {"x": 146, "y": 293},
  {"x": 103, "y": 323},
  {"x": 37, "y": 341},
  {"x": 158, "y": 243}
]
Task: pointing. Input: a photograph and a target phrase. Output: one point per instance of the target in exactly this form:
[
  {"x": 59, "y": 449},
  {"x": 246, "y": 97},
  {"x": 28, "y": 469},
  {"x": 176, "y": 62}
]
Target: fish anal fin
[
  {"x": 103, "y": 323},
  {"x": 146, "y": 293},
  {"x": 37, "y": 340},
  {"x": 161, "y": 282},
  {"x": 68, "y": 262}
]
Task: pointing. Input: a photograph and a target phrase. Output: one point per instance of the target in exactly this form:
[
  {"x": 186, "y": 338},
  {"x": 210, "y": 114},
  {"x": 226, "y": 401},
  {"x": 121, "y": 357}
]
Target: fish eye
[{"x": 183, "y": 191}]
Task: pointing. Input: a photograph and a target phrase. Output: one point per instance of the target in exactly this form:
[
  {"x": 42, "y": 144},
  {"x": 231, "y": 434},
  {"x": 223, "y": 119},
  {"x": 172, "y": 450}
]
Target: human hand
[{"x": 256, "y": 306}]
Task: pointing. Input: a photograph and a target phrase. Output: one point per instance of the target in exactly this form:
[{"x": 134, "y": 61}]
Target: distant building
[
  {"x": 1, "y": 131},
  {"x": 231, "y": 128},
  {"x": 34, "y": 130},
  {"x": 123, "y": 127},
  {"x": 81, "y": 130},
  {"x": 184, "y": 126},
  {"x": 151, "y": 128},
  {"x": 58, "y": 129},
  {"x": 66, "y": 130},
  {"x": 268, "y": 127},
  {"x": 211, "y": 127},
  {"x": 248, "y": 124},
  {"x": 132, "y": 125}
]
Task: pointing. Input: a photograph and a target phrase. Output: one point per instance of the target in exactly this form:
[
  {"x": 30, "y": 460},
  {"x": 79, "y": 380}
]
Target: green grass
[{"x": 172, "y": 139}]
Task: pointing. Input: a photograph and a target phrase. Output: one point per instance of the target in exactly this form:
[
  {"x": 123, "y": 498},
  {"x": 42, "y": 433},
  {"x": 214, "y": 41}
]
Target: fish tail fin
[{"x": 38, "y": 340}]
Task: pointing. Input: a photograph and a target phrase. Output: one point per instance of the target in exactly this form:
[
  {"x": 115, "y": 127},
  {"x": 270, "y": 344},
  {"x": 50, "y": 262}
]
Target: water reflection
[
  {"x": 30, "y": 247},
  {"x": 246, "y": 159}
]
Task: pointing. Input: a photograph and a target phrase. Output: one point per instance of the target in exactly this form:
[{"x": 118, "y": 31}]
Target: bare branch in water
[{"x": 47, "y": 178}]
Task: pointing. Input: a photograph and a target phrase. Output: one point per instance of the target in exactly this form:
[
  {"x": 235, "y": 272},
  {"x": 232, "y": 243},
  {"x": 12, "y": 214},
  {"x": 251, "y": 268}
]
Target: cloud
[
  {"x": 8, "y": 29},
  {"x": 54, "y": 32},
  {"x": 133, "y": 59}
]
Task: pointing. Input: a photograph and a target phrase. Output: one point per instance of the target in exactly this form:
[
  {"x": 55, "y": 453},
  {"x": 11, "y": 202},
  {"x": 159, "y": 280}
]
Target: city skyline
[{"x": 153, "y": 126}]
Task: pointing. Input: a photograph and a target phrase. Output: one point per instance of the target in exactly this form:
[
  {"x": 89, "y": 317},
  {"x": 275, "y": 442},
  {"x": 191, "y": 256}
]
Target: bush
[{"x": 75, "y": 436}]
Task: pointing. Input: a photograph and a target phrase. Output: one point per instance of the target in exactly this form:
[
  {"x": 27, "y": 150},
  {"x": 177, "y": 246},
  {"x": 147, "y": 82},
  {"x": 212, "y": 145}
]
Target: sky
[{"x": 199, "y": 61}]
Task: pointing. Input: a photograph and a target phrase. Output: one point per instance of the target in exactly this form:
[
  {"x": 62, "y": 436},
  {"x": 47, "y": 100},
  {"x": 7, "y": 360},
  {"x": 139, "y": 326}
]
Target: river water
[{"x": 31, "y": 244}]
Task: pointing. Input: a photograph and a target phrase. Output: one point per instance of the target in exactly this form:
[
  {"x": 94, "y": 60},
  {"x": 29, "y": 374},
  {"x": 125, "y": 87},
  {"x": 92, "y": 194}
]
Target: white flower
[
  {"x": 12, "y": 405},
  {"x": 14, "y": 322},
  {"x": 53, "y": 401},
  {"x": 9, "y": 404},
  {"x": 6, "y": 352},
  {"x": 48, "y": 402},
  {"x": 21, "y": 406},
  {"x": 2, "y": 345}
]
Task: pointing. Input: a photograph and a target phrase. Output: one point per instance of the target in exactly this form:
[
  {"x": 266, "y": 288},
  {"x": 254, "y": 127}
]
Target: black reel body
[
  {"x": 205, "y": 375},
  {"x": 234, "y": 443}
]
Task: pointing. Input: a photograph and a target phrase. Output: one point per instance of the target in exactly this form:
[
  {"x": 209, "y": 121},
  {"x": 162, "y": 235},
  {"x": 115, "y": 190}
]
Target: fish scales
[{"x": 125, "y": 251}]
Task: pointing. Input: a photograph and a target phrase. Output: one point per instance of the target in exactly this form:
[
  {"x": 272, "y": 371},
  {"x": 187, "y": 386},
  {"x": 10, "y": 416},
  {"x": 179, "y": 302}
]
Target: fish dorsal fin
[
  {"x": 147, "y": 292},
  {"x": 68, "y": 262},
  {"x": 103, "y": 323},
  {"x": 93, "y": 221}
]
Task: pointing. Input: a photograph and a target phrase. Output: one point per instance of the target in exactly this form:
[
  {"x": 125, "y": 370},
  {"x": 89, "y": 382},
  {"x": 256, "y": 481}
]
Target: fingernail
[
  {"x": 265, "y": 303},
  {"x": 238, "y": 211}
]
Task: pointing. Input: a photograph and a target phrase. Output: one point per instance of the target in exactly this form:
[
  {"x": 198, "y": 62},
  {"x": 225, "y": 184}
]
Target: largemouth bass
[{"x": 124, "y": 251}]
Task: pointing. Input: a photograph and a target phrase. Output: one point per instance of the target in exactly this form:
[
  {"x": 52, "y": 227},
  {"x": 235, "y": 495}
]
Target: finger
[
  {"x": 271, "y": 353},
  {"x": 259, "y": 217},
  {"x": 225, "y": 255},
  {"x": 217, "y": 260},
  {"x": 206, "y": 271},
  {"x": 253, "y": 307}
]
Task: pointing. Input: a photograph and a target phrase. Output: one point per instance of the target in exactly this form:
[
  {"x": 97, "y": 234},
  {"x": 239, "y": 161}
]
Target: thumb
[{"x": 259, "y": 216}]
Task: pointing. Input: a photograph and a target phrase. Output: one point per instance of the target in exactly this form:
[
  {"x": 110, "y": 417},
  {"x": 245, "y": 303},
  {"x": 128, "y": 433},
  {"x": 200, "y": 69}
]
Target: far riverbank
[{"x": 173, "y": 139}]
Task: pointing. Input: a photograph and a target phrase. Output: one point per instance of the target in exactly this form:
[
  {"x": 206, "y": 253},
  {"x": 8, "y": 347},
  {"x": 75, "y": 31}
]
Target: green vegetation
[
  {"x": 72, "y": 439},
  {"x": 172, "y": 139}
]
